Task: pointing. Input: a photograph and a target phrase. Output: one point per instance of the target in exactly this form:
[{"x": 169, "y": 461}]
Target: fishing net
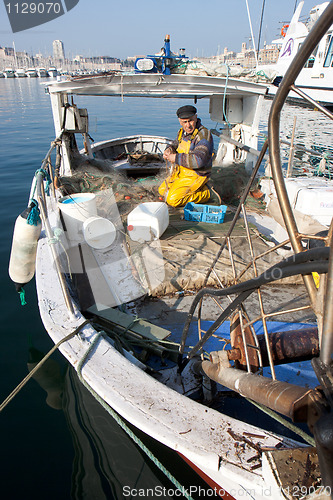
[
  {"x": 136, "y": 183},
  {"x": 138, "y": 178}
]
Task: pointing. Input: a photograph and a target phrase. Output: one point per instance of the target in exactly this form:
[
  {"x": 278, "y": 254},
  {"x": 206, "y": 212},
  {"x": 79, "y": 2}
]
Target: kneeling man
[{"x": 191, "y": 159}]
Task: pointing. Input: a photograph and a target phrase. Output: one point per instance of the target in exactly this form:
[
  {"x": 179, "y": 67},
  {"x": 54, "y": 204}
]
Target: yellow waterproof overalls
[{"x": 183, "y": 184}]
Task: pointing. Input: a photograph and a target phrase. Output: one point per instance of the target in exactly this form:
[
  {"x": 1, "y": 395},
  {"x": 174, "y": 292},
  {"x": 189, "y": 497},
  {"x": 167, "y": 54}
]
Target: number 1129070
[{"x": 34, "y": 8}]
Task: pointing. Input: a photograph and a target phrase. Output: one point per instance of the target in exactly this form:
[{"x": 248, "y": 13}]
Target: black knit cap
[{"x": 186, "y": 112}]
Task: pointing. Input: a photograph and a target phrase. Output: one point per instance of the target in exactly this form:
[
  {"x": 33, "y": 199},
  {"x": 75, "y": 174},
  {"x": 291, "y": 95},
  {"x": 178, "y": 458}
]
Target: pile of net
[
  {"x": 132, "y": 186},
  {"x": 94, "y": 176}
]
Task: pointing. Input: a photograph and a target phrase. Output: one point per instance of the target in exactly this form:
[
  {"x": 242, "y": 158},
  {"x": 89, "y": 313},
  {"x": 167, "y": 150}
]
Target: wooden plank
[{"x": 127, "y": 321}]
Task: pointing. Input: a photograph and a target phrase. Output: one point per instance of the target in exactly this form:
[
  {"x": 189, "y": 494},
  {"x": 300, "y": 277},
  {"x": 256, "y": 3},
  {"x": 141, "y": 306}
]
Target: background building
[{"x": 58, "y": 51}]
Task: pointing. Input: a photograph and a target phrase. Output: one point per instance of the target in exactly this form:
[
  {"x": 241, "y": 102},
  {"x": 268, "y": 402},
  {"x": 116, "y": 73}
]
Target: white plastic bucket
[
  {"x": 98, "y": 232},
  {"x": 75, "y": 209},
  {"x": 148, "y": 221}
]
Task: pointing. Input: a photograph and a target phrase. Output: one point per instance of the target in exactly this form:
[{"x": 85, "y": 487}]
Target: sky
[{"x": 125, "y": 28}]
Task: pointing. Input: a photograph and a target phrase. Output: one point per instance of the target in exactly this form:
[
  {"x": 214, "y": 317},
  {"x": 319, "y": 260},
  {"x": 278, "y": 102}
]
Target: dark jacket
[{"x": 200, "y": 155}]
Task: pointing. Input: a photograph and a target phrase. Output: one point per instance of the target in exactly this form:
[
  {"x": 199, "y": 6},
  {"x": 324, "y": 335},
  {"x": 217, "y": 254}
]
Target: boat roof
[{"x": 156, "y": 85}]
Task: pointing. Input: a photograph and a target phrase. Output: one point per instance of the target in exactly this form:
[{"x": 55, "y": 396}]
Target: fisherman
[{"x": 190, "y": 157}]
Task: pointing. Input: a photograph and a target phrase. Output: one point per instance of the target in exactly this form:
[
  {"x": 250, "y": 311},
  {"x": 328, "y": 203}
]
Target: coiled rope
[{"x": 122, "y": 424}]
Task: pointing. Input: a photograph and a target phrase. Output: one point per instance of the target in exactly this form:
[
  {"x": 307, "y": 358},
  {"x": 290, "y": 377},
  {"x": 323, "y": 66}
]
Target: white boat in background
[
  {"x": 53, "y": 72},
  {"x": 109, "y": 256},
  {"x": 42, "y": 72},
  {"x": 9, "y": 73},
  {"x": 20, "y": 73},
  {"x": 31, "y": 73},
  {"x": 316, "y": 78}
]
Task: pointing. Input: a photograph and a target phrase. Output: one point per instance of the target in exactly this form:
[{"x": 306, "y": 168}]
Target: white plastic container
[
  {"x": 99, "y": 232},
  {"x": 309, "y": 195},
  {"x": 315, "y": 197},
  {"x": 148, "y": 221},
  {"x": 76, "y": 209}
]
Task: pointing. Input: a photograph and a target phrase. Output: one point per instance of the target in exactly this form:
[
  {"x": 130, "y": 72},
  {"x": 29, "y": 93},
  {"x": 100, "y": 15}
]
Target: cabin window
[
  {"x": 329, "y": 55},
  {"x": 310, "y": 62}
]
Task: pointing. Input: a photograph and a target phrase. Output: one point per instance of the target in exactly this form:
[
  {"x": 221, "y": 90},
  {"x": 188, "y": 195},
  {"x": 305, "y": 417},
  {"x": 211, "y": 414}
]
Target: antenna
[
  {"x": 261, "y": 19},
  {"x": 252, "y": 36}
]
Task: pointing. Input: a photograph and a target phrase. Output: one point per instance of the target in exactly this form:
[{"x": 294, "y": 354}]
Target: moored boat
[
  {"x": 316, "y": 78},
  {"x": 9, "y": 73},
  {"x": 52, "y": 71},
  {"x": 31, "y": 73},
  {"x": 20, "y": 73},
  {"x": 42, "y": 72},
  {"x": 98, "y": 267}
]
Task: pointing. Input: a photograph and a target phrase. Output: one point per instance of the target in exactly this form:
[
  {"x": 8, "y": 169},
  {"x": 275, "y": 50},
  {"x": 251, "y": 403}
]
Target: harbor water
[{"x": 57, "y": 442}]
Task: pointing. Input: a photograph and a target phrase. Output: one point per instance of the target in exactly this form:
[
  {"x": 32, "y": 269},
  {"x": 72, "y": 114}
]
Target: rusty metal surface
[
  {"x": 290, "y": 400},
  {"x": 291, "y": 346},
  {"x": 239, "y": 349},
  {"x": 286, "y": 347}
]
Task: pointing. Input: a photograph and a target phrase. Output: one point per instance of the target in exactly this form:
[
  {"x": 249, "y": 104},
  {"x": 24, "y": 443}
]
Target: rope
[
  {"x": 57, "y": 232},
  {"x": 47, "y": 178},
  {"x": 123, "y": 425},
  {"x": 308, "y": 439},
  {"x": 33, "y": 371},
  {"x": 22, "y": 296},
  {"x": 33, "y": 218}
]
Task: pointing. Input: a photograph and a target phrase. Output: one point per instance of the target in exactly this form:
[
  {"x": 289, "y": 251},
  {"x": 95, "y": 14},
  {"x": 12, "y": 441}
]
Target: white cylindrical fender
[{"x": 22, "y": 261}]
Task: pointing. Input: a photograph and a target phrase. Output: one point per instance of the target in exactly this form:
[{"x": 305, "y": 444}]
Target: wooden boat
[{"x": 106, "y": 280}]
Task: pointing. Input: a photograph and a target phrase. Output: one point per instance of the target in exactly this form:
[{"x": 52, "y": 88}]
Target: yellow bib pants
[{"x": 183, "y": 184}]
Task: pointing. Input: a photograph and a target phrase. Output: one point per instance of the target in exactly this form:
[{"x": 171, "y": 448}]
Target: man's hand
[{"x": 169, "y": 155}]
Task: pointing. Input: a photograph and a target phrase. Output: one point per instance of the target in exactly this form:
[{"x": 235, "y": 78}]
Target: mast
[{"x": 252, "y": 36}]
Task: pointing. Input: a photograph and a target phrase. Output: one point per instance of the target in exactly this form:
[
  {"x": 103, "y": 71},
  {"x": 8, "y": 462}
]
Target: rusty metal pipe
[
  {"x": 286, "y": 347},
  {"x": 288, "y": 399},
  {"x": 291, "y": 346}
]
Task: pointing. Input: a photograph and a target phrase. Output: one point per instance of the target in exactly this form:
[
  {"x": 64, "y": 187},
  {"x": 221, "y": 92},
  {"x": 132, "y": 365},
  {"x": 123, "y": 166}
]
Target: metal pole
[
  {"x": 50, "y": 235},
  {"x": 327, "y": 336},
  {"x": 292, "y": 150},
  {"x": 319, "y": 30}
]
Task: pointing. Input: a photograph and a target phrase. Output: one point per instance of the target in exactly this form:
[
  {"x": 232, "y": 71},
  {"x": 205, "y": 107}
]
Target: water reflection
[{"x": 107, "y": 464}]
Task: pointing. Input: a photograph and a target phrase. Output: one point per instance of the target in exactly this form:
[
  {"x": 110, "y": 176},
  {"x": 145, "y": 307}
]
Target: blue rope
[
  {"x": 47, "y": 178},
  {"x": 33, "y": 218}
]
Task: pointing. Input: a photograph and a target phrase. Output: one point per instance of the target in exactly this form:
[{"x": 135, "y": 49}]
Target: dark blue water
[{"x": 76, "y": 451}]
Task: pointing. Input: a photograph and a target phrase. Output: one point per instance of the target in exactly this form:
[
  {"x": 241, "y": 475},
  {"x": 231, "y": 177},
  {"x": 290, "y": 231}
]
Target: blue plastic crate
[
  {"x": 205, "y": 213},
  {"x": 194, "y": 211}
]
